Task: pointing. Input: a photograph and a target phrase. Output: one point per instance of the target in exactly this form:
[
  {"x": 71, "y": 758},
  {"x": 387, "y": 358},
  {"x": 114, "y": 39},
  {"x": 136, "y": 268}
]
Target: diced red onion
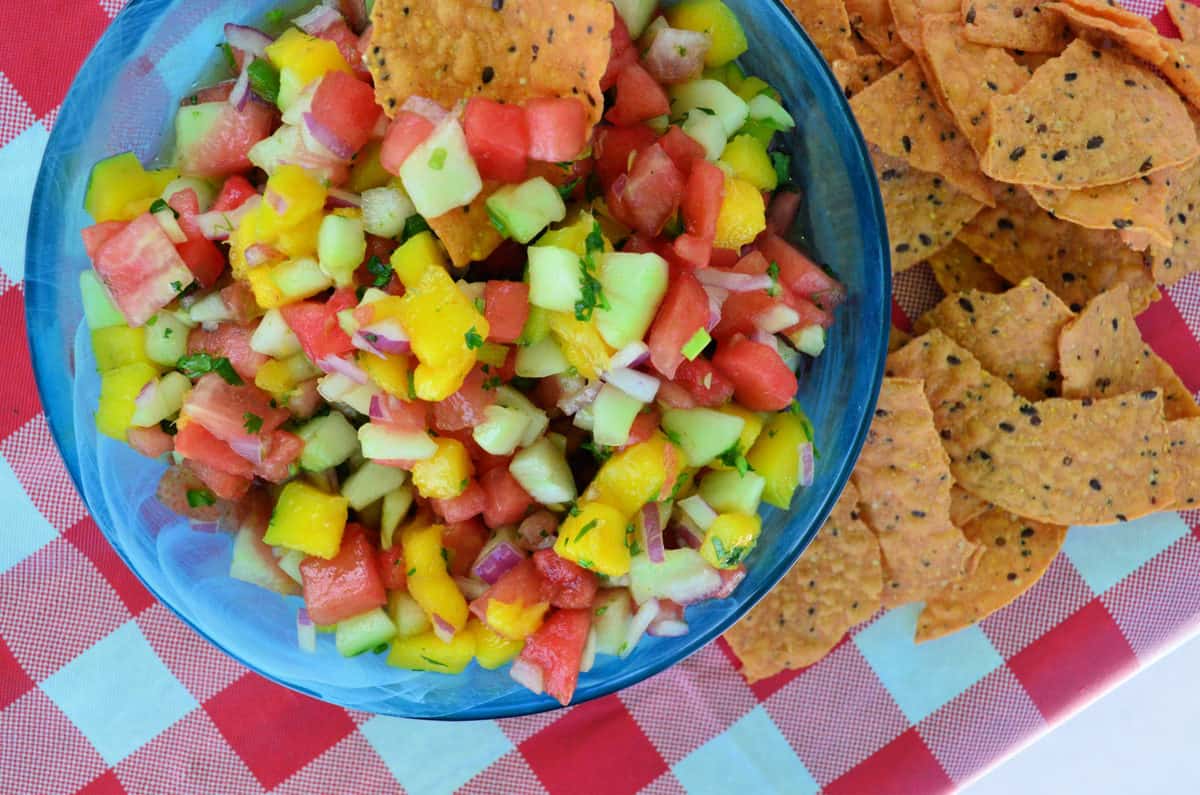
[
  {"x": 498, "y": 560},
  {"x": 363, "y": 344},
  {"x": 807, "y": 464},
  {"x": 637, "y": 627},
  {"x": 538, "y": 531},
  {"x": 637, "y": 385},
  {"x": 527, "y": 674},
  {"x": 262, "y": 254},
  {"x": 251, "y": 41},
  {"x": 633, "y": 354},
  {"x": 147, "y": 394},
  {"x": 385, "y": 407},
  {"x": 652, "y": 525},
  {"x": 782, "y": 212},
  {"x": 336, "y": 197},
  {"x": 730, "y": 580},
  {"x": 716, "y": 300},
  {"x": 317, "y": 20},
  {"x": 687, "y": 536},
  {"x": 677, "y": 55},
  {"x": 777, "y": 318},
  {"x": 248, "y": 447},
  {"x": 381, "y": 126},
  {"x": 241, "y": 88},
  {"x": 327, "y": 138},
  {"x": 423, "y": 106},
  {"x": 336, "y": 364},
  {"x": 277, "y": 202},
  {"x": 306, "y": 631},
  {"x": 471, "y": 587},
  {"x": 571, "y": 404},
  {"x": 218, "y": 224},
  {"x": 170, "y": 226},
  {"x": 765, "y": 338},
  {"x": 443, "y": 629},
  {"x": 734, "y": 282},
  {"x": 390, "y": 336}
]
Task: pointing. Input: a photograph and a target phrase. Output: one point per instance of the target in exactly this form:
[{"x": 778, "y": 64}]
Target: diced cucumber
[
  {"x": 583, "y": 418},
  {"x": 613, "y": 414},
  {"x": 810, "y": 340},
  {"x": 634, "y": 285},
  {"x": 407, "y": 616},
  {"x": 210, "y": 309},
  {"x": 395, "y": 508},
  {"x": 363, "y": 632},
  {"x": 371, "y": 482},
  {"x": 765, "y": 108},
  {"x": 635, "y": 14},
  {"x": 166, "y": 339},
  {"x": 300, "y": 278},
  {"x": 729, "y": 108},
  {"x": 683, "y": 576},
  {"x": 98, "y": 308},
  {"x": 334, "y": 387},
  {"x": 194, "y": 123},
  {"x": 386, "y": 443},
  {"x": 206, "y": 192},
  {"x": 696, "y": 513},
  {"x": 708, "y": 131},
  {"x": 729, "y": 491},
  {"x": 611, "y": 614},
  {"x": 358, "y": 396},
  {"x": 167, "y": 400},
  {"x": 510, "y": 398},
  {"x": 291, "y": 85},
  {"x": 341, "y": 247},
  {"x": 659, "y": 123},
  {"x": 541, "y": 359},
  {"x": 501, "y": 430},
  {"x": 439, "y": 174},
  {"x": 537, "y": 327},
  {"x": 290, "y": 562},
  {"x": 328, "y": 441},
  {"x": 703, "y": 433},
  {"x": 695, "y": 345},
  {"x": 385, "y": 210},
  {"x": 254, "y": 562},
  {"x": 274, "y": 337},
  {"x": 554, "y": 278},
  {"x": 542, "y": 471},
  {"x": 522, "y": 211}
]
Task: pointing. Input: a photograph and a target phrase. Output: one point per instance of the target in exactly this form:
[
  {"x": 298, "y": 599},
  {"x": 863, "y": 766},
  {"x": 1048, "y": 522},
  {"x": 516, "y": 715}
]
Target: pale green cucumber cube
[
  {"x": 541, "y": 359},
  {"x": 554, "y": 278},
  {"x": 300, "y": 278},
  {"x": 439, "y": 175},
  {"x": 328, "y": 441},
  {"x": 703, "y": 433},
  {"x": 729, "y": 491},
  {"x": 501, "y": 430},
  {"x": 711, "y": 95},
  {"x": 385, "y": 210},
  {"x": 166, "y": 339},
  {"x": 98, "y": 308},
  {"x": 613, "y": 413},
  {"x": 371, "y": 482},
  {"x": 341, "y": 247},
  {"x": 395, "y": 508},
  {"x": 274, "y": 337},
  {"x": 363, "y": 632},
  {"x": 634, "y": 285},
  {"x": 542, "y": 471},
  {"x": 522, "y": 211},
  {"x": 708, "y": 131}
]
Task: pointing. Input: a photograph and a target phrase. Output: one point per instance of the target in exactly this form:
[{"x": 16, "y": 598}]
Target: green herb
[
  {"x": 631, "y": 542},
  {"x": 622, "y": 648},
  {"x": 600, "y": 452},
  {"x": 565, "y": 165},
  {"x": 360, "y": 291},
  {"x": 592, "y": 292},
  {"x": 159, "y": 205},
  {"x": 253, "y": 422},
  {"x": 413, "y": 226},
  {"x": 473, "y": 339},
  {"x": 479, "y": 305},
  {"x": 437, "y": 158},
  {"x": 773, "y": 272},
  {"x": 587, "y": 528},
  {"x": 523, "y": 384},
  {"x": 275, "y": 16},
  {"x": 498, "y": 222},
  {"x": 199, "y": 498},
  {"x": 381, "y": 270},
  {"x": 194, "y": 99},
  {"x": 445, "y": 555},
  {"x": 167, "y": 332},
  {"x": 585, "y": 563},
  {"x": 601, "y": 610},
  {"x": 674, "y": 437},
  {"x": 733, "y": 457},
  {"x": 380, "y": 649},
  {"x": 168, "y": 427},
  {"x": 177, "y": 286},
  {"x": 195, "y": 365},
  {"x": 411, "y": 571},
  {"x": 566, "y": 190},
  {"x": 680, "y": 480},
  {"x": 783, "y": 166},
  {"x": 709, "y": 111},
  {"x": 153, "y": 319},
  {"x": 412, "y": 384},
  {"x": 572, "y": 508},
  {"x": 264, "y": 80},
  {"x": 673, "y": 227},
  {"x": 728, "y": 558},
  {"x": 432, "y": 661},
  {"x": 492, "y": 382},
  {"x": 227, "y": 51}
]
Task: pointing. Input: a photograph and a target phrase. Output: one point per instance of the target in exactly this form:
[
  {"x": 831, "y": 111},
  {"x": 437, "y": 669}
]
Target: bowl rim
[{"x": 827, "y": 93}]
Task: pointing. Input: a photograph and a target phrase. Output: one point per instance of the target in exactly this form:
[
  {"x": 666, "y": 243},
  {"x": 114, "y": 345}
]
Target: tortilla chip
[
  {"x": 904, "y": 478},
  {"x": 827, "y": 24},
  {"x": 1110, "y": 11},
  {"x": 1186, "y": 17},
  {"x": 1171, "y": 263},
  {"x": 872, "y": 20},
  {"x": 900, "y": 115},
  {"x": 855, "y": 74},
  {"x": 910, "y": 13},
  {"x": 834, "y": 585},
  {"x": 1031, "y": 60},
  {"x": 1180, "y": 68},
  {"x": 1185, "y": 452},
  {"x": 965, "y": 506},
  {"x": 1016, "y": 24},
  {"x": 1059, "y": 461},
  {"x": 957, "y": 268},
  {"x": 897, "y": 339},
  {"x": 1102, "y": 354},
  {"x": 1089, "y": 117},
  {"x": 968, "y": 75},
  {"x": 1019, "y": 239},
  {"x": 1145, "y": 44},
  {"x": 1018, "y": 553},
  {"x": 1136, "y": 206},
  {"x": 466, "y": 232},
  {"x": 1014, "y": 335},
  {"x": 923, "y": 211},
  {"x": 450, "y": 50}
]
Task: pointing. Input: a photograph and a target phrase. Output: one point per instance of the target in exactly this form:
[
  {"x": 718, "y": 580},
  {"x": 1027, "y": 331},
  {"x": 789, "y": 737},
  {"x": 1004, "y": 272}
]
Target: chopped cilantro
[
  {"x": 587, "y": 528},
  {"x": 566, "y": 190},
  {"x": 565, "y": 165},
  {"x": 601, "y": 610},
  {"x": 498, "y": 222},
  {"x": 432, "y": 661},
  {"x": 253, "y": 423},
  {"x": 445, "y": 555},
  {"x": 158, "y": 206},
  {"x": 380, "y": 649},
  {"x": 733, "y": 457},
  {"x": 412, "y": 384},
  {"x": 674, "y": 436},
  {"x": 195, "y": 365},
  {"x": 167, "y": 332},
  {"x": 573, "y": 509},
  {"x": 622, "y": 648},
  {"x": 227, "y": 51},
  {"x": 411, "y": 571},
  {"x": 177, "y": 286},
  {"x": 199, "y": 498},
  {"x": 275, "y": 16},
  {"x": 673, "y": 227},
  {"x": 592, "y": 292},
  {"x": 600, "y": 452},
  {"x": 479, "y": 305},
  {"x": 783, "y": 166},
  {"x": 473, "y": 339},
  {"x": 381, "y": 270},
  {"x": 492, "y": 382},
  {"x": 728, "y": 558},
  {"x": 773, "y": 272},
  {"x": 437, "y": 158},
  {"x": 585, "y": 563},
  {"x": 680, "y": 480},
  {"x": 153, "y": 319},
  {"x": 709, "y": 111},
  {"x": 264, "y": 80},
  {"x": 414, "y": 226}
]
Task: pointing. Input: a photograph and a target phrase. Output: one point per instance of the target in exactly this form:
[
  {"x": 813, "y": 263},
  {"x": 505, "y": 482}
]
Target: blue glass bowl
[{"x": 124, "y": 99}]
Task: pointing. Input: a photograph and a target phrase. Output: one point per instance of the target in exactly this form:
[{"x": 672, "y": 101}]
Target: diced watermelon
[
  {"x": 465, "y": 506},
  {"x": 507, "y": 500},
  {"x": 195, "y": 443},
  {"x": 683, "y": 312},
  {"x": 463, "y": 539},
  {"x": 761, "y": 380},
  {"x": 391, "y": 568},
  {"x": 707, "y": 386},
  {"x": 506, "y": 307},
  {"x": 404, "y": 134},
  {"x": 465, "y": 408},
  {"x": 231, "y": 341},
  {"x": 800, "y": 274},
  {"x": 95, "y": 236},
  {"x": 142, "y": 269},
  {"x": 567, "y": 583},
  {"x": 498, "y": 139},
  {"x": 613, "y": 147},
  {"x": 639, "y": 97},
  {"x": 224, "y": 147},
  {"x": 556, "y": 650},
  {"x": 739, "y": 312},
  {"x": 280, "y": 452},
  {"x": 202, "y": 256},
  {"x": 223, "y": 484},
  {"x": 315, "y": 323},
  {"x": 348, "y": 45},
  {"x": 234, "y": 193},
  {"x": 644, "y": 426},
  {"x": 522, "y": 584},
  {"x": 557, "y": 129},
  {"x": 239, "y": 415},
  {"x": 652, "y": 193},
  {"x": 683, "y": 149},
  {"x": 621, "y": 54},
  {"x": 150, "y": 442},
  {"x": 347, "y": 584},
  {"x": 346, "y": 107}
]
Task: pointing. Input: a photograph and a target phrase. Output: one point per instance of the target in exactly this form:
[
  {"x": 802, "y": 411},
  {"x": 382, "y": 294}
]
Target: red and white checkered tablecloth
[{"x": 103, "y": 690}]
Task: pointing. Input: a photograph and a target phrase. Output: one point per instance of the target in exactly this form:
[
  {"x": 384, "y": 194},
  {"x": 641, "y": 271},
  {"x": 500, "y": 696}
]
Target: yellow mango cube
[
  {"x": 300, "y": 194},
  {"x": 309, "y": 520},
  {"x": 717, "y": 20},
  {"x": 730, "y": 538},
  {"x": 573, "y": 236},
  {"x": 594, "y": 537},
  {"x": 120, "y": 189},
  {"x": 743, "y": 214},
  {"x": 639, "y": 474},
  {"x": 444, "y": 474},
  {"x": 491, "y": 648},
  {"x": 266, "y": 293},
  {"x": 748, "y": 159},
  {"x": 581, "y": 343},
  {"x": 751, "y": 428},
  {"x": 428, "y": 652},
  {"x": 368, "y": 171},
  {"x": 391, "y": 373},
  {"x": 117, "y": 346},
  {"x": 515, "y": 621},
  {"x": 774, "y": 457},
  {"x": 418, "y": 254},
  {"x": 428, "y": 581},
  {"x": 306, "y": 56},
  {"x": 119, "y": 389}
]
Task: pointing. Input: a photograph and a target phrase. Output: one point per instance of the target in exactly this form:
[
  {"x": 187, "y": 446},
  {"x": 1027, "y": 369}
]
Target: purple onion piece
[
  {"x": 807, "y": 464},
  {"x": 538, "y": 531},
  {"x": 317, "y": 20},
  {"x": 251, "y": 41},
  {"x": 496, "y": 562},
  {"x": 327, "y": 138},
  {"x": 241, "y": 88},
  {"x": 443, "y": 629},
  {"x": 653, "y": 529},
  {"x": 734, "y": 282},
  {"x": 336, "y": 364}
]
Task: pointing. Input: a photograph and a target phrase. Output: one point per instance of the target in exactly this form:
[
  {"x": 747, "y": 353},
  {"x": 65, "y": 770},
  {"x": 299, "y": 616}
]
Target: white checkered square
[
  {"x": 411, "y": 749},
  {"x": 351, "y": 766},
  {"x": 25, "y": 529},
  {"x": 750, "y": 756},
  {"x": 41, "y": 751},
  {"x": 39, "y": 468}
]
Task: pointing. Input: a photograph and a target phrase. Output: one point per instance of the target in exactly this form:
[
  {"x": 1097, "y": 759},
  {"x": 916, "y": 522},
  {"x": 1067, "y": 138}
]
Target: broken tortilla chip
[
  {"x": 467, "y": 232},
  {"x": 872, "y": 20},
  {"x": 968, "y": 75},
  {"x": 1014, "y": 334},
  {"x": 957, "y": 268},
  {"x": 1089, "y": 117},
  {"x": 450, "y": 50},
  {"x": 1031, "y": 60},
  {"x": 899, "y": 114},
  {"x": 903, "y": 478},
  {"x": 1102, "y": 354},
  {"x": 897, "y": 339},
  {"x": 1066, "y": 462},
  {"x": 856, "y": 73},
  {"x": 1019, "y": 239},
  {"x": 1186, "y": 17},
  {"x": 1185, "y": 452},
  {"x": 1171, "y": 263},
  {"x": 910, "y": 13},
  {"x": 1015, "y": 24},
  {"x": 965, "y": 506},
  {"x": 827, "y": 24},
  {"x": 1180, "y": 67},
  {"x": 1136, "y": 206},
  {"x": 1018, "y": 552},
  {"x": 833, "y": 586},
  {"x": 924, "y": 212},
  {"x": 1111, "y": 11},
  {"x": 1145, "y": 44}
]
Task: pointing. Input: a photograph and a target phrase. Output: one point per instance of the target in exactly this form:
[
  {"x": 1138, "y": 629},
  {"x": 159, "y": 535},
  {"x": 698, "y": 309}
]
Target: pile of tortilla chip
[{"x": 1041, "y": 158}]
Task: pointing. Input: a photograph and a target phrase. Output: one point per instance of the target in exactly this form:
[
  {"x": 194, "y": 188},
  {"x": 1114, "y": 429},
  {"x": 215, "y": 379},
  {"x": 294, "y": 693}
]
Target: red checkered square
[
  {"x": 521, "y": 729},
  {"x": 509, "y": 773},
  {"x": 198, "y": 665},
  {"x": 666, "y": 784},
  {"x": 34, "y": 459},
  {"x": 42, "y": 751},
  {"x": 43, "y": 66},
  {"x": 191, "y": 753},
  {"x": 978, "y": 726},
  {"x": 1073, "y": 662},
  {"x": 106, "y": 784},
  {"x": 18, "y": 394},
  {"x": 1185, "y": 295},
  {"x": 1160, "y": 326},
  {"x": 1159, "y": 600},
  {"x": 88, "y": 539},
  {"x": 273, "y": 729},
  {"x": 57, "y": 583},
  {"x": 14, "y": 682},
  {"x": 904, "y": 766},
  {"x": 916, "y": 291},
  {"x": 836, "y": 713},
  {"x": 1051, "y": 599},
  {"x": 351, "y": 766},
  {"x": 564, "y": 755},
  {"x": 688, "y": 704},
  {"x": 15, "y": 115},
  {"x": 112, "y": 7}
]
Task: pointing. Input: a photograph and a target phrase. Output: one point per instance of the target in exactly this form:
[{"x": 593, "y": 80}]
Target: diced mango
[
  {"x": 120, "y": 189},
  {"x": 300, "y": 195},
  {"x": 594, "y": 537},
  {"x": 428, "y": 581},
  {"x": 418, "y": 254},
  {"x": 743, "y": 214},
  {"x": 730, "y": 538},
  {"x": 581, "y": 343},
  {"x": 750, "y": 430},
  {"x": 117, "y": 346},
  {"x": 775, "y": 457},
  {"x": 300, "y": 240},
  {"x": 308, "y": 519},
  {"x": 391, "y": 374},
  {"x": 717, "y": 20},
  {"x": 491, "y": 648},
  {"x": 266, "y": 293},
  {"x": 641, "y": 473},
  {"x": 368, "y": 171},
  {"x": 750, "y": 87},
  {"x": 280, "y": 376},
  {"x": 748, "y": 158},
  {"x": 427, "y": 652},
  {"x": 573, "y": 236},
  {"x": 119, "y": 389},
  {"x": 515, "y": 621},
  {"x": 306, "y": 56},
  {"x": 446, "y": 473}
]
